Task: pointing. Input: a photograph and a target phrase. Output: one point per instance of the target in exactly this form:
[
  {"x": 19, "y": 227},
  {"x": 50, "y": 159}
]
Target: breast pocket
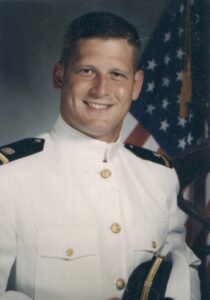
[
  {"x": 67, "y": 264},
  {"x": 148, "y": 240}
]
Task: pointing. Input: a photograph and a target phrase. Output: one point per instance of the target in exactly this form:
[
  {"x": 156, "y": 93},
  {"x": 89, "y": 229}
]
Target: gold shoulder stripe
[
  {"x": 3, "y": 159},
  {"x": 150, "y": 277},
  {"x": 166, "y": 162}
]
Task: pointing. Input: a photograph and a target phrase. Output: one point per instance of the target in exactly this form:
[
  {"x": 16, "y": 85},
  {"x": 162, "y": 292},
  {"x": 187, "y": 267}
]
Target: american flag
[{"x": 154, "y": 122}]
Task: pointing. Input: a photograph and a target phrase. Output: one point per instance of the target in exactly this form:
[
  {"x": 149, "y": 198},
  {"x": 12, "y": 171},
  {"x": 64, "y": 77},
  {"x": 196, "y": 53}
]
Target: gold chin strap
[
  {"x": 3, "y": 159},
  {"x": 150, "y": 277}
]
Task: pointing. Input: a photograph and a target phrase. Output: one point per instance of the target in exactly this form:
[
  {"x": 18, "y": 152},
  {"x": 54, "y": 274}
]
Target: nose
[{"x": 100, "y": 86}]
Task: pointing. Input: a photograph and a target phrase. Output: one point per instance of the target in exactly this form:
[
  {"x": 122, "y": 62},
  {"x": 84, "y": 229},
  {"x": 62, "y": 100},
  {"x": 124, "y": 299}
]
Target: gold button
[
  {"x": 105, "y": 173},
  {"x": 38, "y": 140},
  {"x": 115, "y": 228},
  {"x": 120, "y": 284},
  {"x": 8, "y": 150},
  {"x": 154, "y": 245},
  {"x": 69, "y": 252}
]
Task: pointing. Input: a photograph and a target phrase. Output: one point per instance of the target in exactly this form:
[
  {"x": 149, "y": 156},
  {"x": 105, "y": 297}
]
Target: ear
[
  {"x": 58, "y": 74},
  {"x": 138, "y": 81}
]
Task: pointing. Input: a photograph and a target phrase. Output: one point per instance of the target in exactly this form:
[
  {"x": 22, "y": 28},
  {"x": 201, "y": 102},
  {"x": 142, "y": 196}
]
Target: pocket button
[
  {"x": 154, "y": 245},
  {"x": 69, "y": 252}
]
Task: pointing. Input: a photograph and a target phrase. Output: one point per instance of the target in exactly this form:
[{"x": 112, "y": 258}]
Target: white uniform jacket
[{"x": 78, "y": 217}]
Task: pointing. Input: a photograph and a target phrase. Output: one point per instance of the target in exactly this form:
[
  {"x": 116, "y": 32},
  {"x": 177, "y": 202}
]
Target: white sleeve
[
  {"x": 184, "y": 282},
  {"x": 14, "y": 296},
  {"x": 195, "y": 285},
  {"x": 7, "y": 241}
]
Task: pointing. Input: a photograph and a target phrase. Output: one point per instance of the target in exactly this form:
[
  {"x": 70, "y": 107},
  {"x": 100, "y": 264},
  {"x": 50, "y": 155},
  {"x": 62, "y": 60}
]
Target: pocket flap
[
  {"x": 150, "y": 237},
  {"x": 67, "y": 244}
]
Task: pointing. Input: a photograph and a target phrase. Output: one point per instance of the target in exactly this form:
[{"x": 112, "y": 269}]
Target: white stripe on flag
[
  {"x": 144, "y": 139},
  {"x": 128, "y": 126},
  {"x": 151, "y": 144}
]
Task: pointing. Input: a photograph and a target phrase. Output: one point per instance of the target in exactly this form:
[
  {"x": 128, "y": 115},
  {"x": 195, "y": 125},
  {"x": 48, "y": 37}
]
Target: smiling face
[{"x": 98, "y": 86}]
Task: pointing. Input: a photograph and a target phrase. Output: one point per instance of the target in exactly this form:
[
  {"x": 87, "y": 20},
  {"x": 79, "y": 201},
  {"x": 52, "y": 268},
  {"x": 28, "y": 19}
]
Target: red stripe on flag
[
  {"x": 207, "y": 210},
  {"x": 138, "y": 136}
]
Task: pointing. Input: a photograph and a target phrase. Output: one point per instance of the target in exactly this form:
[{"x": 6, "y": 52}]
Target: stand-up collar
[{"x": 74, "y": 140}]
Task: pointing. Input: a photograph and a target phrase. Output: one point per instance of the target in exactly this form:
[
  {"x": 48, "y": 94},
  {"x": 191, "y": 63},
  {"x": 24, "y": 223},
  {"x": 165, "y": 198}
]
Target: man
[{"x": 80, "y": 215}]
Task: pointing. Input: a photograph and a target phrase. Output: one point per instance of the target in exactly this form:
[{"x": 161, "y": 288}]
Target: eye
[
  {"x": 87, "y": 72},
  {"x": 118, "y": 75}
]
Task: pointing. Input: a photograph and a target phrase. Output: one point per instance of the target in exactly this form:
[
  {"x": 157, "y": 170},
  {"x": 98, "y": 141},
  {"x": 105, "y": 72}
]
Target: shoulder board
[
  {"x": 150, "y": 155},
  {"x": 20, "y": 149}
]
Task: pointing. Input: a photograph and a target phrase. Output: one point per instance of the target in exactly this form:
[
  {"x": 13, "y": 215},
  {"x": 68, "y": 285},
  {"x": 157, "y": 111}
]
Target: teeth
[{"x": 98, "y": 106}]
